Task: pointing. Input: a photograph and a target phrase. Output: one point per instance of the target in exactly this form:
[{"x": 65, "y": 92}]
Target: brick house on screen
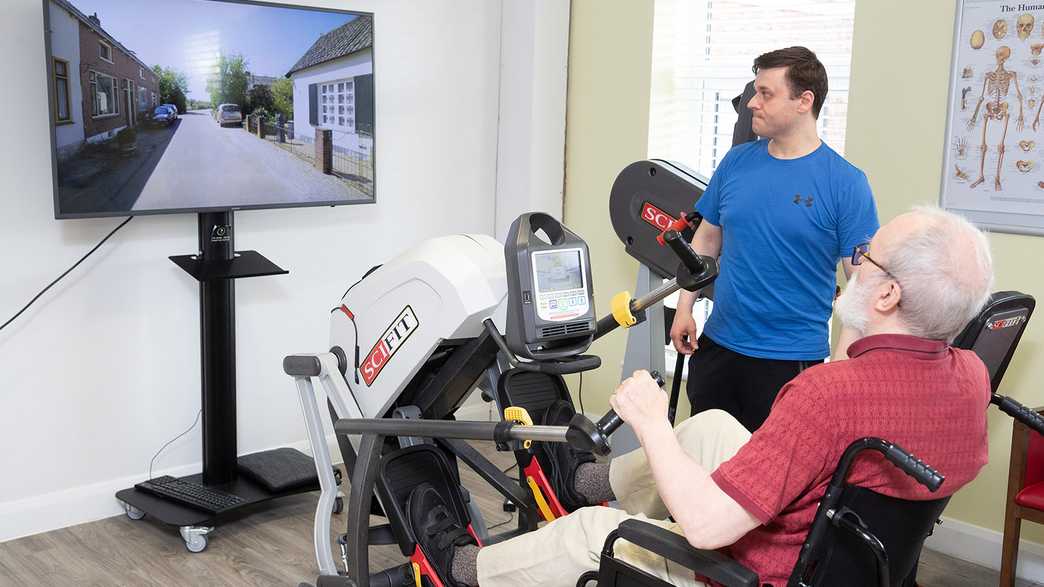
[{"x": 99, "y": 86}]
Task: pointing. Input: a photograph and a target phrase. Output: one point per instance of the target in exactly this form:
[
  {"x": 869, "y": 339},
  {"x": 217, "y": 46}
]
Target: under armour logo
[{"x": 808, "y": 201}]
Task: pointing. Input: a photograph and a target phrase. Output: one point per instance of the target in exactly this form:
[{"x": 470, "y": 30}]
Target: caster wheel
[
  {"x": 195, "y": 537},
  {"x": 338, "y": 506},
  {"x": 197, "y": 543},
  {"x": 133, "y": 512}
]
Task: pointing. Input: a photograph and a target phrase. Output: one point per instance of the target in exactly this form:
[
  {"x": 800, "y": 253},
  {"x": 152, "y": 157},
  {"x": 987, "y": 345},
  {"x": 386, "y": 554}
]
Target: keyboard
[{"x": 192, "y": 494}]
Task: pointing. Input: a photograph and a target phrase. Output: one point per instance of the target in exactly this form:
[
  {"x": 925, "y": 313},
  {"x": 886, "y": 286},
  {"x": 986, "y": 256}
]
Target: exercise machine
[{"x": 433, "y": 317}]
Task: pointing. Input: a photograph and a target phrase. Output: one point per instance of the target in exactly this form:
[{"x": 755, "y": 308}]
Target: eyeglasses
[{"x": 861, "y": 252}]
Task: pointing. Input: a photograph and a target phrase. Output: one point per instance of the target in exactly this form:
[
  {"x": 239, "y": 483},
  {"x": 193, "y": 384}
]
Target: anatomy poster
[{"x": 994, "y": 165}]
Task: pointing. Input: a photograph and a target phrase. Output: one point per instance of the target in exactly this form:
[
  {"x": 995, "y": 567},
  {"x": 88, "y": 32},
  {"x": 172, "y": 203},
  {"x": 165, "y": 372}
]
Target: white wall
[
  {"x": 534, "y": 57},
  {"x": 65, "y": 44},
  {"x": 104, "y": 368}
]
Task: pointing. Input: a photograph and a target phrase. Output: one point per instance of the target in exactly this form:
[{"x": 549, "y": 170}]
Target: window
[
  {"x": 153, "y": 98},
  {"x": 337, "y": 104},
  {"x": 105, "y": 51},
  {"x": 141, "y": 72},
  {"x": 61, "y": 91},
  {"x": 143, "y": 98},
  {"x": 105, "y": 99},
  {"x": 695, "y": 76}
]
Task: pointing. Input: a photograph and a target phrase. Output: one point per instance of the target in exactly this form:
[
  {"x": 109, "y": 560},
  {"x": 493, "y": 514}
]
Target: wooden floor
[{"x": 272, "y": 546}]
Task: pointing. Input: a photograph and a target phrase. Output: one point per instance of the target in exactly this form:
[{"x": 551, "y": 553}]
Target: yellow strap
[
  {"x": 545, "y": 509},
  {"x": 621, "y": 308},
  {"x": 417, "y": 575},
  {"x": 520, "y": 415}
]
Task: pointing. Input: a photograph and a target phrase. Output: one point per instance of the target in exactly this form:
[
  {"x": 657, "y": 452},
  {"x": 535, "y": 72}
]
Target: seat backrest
[
  {"x": 842, "y": 558},
  {"x": 995, "y": 332}
]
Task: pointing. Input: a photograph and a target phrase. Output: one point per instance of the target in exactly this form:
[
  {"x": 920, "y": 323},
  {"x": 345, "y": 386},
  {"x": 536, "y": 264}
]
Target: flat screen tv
[{"x": 168, "y": 106}]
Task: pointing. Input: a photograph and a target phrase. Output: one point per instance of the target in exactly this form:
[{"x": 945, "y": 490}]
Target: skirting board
[
  {"x": 87, "y": 503},
  {"x": 79, "y": 505},
  {"x": 982, "y": 546}
]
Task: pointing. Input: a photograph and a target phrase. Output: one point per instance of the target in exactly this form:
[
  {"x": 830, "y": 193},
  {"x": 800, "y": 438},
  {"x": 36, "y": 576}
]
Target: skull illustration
[
  {"x": 1024, "y": 26},
  {"x": 1000, "y": 29}
]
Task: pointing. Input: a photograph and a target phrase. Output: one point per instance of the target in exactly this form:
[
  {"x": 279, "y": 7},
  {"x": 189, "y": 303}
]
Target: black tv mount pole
[{"x": 216, "y": 267}]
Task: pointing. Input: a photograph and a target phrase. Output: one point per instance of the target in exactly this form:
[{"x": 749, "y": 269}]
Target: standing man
[{"x": 779, "y": 213}]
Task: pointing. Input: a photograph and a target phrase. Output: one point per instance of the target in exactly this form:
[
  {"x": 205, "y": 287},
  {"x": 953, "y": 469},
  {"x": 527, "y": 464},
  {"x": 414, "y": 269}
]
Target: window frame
[
  {"x": 108, "y": 59},
  {"x": 342, "y": 96},
  {"x": 93, "y": 84},
  {"x": 56, "y": 77}
]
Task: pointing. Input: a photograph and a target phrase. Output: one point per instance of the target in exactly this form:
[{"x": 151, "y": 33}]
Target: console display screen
[{"x": 561, "y": 293}]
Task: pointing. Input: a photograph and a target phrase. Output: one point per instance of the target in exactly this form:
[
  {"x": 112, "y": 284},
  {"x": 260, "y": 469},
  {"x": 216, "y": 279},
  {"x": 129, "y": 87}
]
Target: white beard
[{"x": 852, "y": 306}]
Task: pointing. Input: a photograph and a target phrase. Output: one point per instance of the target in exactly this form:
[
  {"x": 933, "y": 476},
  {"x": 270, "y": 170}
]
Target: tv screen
[{"x": 163, "y": 106}]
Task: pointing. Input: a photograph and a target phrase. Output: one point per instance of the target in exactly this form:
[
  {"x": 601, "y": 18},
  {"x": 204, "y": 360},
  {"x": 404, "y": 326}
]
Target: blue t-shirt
[{"x": 785, "y": 225}]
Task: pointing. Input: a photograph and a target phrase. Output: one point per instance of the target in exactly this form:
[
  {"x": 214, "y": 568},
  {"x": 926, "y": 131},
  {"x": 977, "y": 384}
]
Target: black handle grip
[
  {"x": 1019, "y": 412},
  {"x": 914, "y": 467},
  {"x": 688, "y": 257},
  {"x": 611, "y": 420}
]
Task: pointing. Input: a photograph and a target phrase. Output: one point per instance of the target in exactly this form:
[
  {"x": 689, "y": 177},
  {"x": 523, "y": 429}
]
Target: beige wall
[
  {"x": 896, "y": 123},
  {"x": 607, "y": 127},
  {"x": 896, "y": 127}
]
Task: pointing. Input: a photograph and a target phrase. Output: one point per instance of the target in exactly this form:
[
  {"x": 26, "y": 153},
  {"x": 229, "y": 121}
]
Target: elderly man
[{"x": 916, "y": 284}]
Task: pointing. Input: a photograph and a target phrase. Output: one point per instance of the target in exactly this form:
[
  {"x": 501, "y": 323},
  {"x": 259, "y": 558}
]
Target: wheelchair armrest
[{"x": 708, "y": 563}]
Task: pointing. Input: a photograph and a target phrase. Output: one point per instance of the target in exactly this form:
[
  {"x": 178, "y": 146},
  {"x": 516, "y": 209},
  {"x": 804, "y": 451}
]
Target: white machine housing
[{"x": 441, "y": 289}]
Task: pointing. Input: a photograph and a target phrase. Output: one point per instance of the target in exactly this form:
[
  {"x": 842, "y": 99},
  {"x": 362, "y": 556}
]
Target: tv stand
[{"x": 216, "y": 267}]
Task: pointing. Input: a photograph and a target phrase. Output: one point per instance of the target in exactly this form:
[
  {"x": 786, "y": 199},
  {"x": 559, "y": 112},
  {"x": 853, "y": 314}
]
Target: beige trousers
[{"x": 561, "y": 551}]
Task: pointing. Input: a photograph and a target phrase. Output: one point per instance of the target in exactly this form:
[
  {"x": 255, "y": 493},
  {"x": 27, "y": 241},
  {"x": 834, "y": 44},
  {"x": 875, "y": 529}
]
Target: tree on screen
[{"x": 229, "y": 84}]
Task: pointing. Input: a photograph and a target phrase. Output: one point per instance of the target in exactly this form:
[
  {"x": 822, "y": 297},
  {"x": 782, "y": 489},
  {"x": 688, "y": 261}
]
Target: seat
[
  {"x": 858, "y": 537},
  {"x": 1025, "y": 497}
]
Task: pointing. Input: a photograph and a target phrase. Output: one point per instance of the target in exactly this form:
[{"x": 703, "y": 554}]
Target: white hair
[{"x": 945, "y": 270}]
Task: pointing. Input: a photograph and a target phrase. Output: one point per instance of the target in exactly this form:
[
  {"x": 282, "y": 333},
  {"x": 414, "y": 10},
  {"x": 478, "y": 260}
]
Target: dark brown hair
[{"x": 804, "y": 72}]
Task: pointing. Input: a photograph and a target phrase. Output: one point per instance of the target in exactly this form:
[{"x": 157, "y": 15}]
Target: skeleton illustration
[
  {"x": 1027, "y": 145},
  {"x": 1035, "y": 53},
  {"x": 978, "y": 39},
  {"x": 967, "y": 72},
  {"x": 1024, "y": 26},
  {"x": 1000, "y": 29},
  {"x": 996, "y": 85},
  {"x": 962, "y": 175},
  {"x": 960, "y": 145},
  {"x": 1023, "y": 166},
  {"x": 964, "y": 97}
]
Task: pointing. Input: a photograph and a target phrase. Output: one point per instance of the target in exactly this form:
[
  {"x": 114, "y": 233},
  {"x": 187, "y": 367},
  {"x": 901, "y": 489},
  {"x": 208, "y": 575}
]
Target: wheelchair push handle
[
  {"x": 1020, "y": 412},
  {"x": 914, "y": 467}
]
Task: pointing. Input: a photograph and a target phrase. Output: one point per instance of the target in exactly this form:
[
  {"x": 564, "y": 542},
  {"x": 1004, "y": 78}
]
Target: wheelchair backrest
[
  {"x": 842, "y": 558},
  {"x": 995, "y": 332}
]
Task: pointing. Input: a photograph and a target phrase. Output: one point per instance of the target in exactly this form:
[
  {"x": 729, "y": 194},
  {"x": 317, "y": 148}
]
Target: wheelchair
[{"x": 858, "y": 537}]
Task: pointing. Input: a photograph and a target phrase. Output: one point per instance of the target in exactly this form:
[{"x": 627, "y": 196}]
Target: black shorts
[{"x": 742, "y": 386}]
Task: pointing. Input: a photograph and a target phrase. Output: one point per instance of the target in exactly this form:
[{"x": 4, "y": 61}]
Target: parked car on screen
[
  {"x": 172, "y": 107},
  {"x": 229, "y": 114},
  {"x": 163, "y": 116}
]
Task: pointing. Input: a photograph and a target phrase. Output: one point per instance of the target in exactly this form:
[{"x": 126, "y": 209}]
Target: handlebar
[
  {"x": 1019, "y": 412},
  {"x": 594, "y": 436},
  {"x": 914, "y": 467}
]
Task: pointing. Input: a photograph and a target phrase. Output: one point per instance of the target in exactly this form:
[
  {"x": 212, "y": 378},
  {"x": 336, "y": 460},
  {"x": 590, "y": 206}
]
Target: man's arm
[
  {"x": 709, "y": 517},
  {"x": 706, "y": 241}
]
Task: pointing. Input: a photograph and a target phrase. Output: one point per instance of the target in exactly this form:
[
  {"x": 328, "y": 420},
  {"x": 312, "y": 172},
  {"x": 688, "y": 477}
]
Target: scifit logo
[
  {"x": 1006, "y": 323},
  {"x": 390, "y": 342},
  {"x": 656, "y": 217}
]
